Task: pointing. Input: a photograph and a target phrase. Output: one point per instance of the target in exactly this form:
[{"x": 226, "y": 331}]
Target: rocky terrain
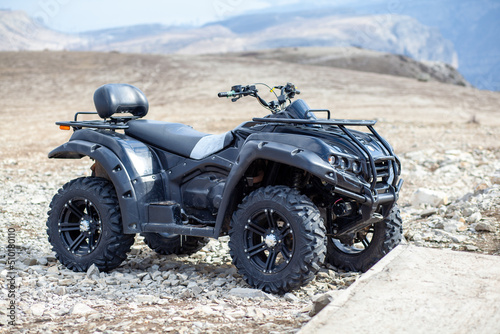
[
  {"x": 456, "y": 201},
  {"x": 447, "y": 137}
]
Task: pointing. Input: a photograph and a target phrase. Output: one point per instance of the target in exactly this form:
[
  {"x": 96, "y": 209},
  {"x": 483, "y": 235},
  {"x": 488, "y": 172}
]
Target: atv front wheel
[
  {"x": 368, "y": 246},
  {"x": 277, "y": 239},
  {"x": 85, "y": 227},
  {"x": 165, "y": 243}
]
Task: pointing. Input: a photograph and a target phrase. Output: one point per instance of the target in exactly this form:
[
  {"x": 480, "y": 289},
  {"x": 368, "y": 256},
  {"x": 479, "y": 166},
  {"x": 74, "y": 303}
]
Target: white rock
[
  {"x": 146, "y": 298},
  {"x": 66, "y": 282},
  {"x": 195, "y": 289},
  {"x": 53, "y": 270},
  {"x": 255, "y": 313},
  {"x": 458, "y": 238},
  {"x": 290, "y": 297},
  {"x": 474, "y": 218},
  {"x": 142, "y": 275},
  {"x": 420, "y": 156},
  {"x": 92, "y": 272},
  {"x": 42, "y": 261},
  {"x": 30, "y": 261},
  {"x": 495, "y": 178},
  {"x": 219, "y": 282},
  {"x": 37, "y": 309},
  {"x": 186, "y": 294},
  {"x": 453, "y": 226},
  {"x": 250, "y": 293},
  {"x": 483, "y": 227},
  {"x": 320, "y": 301},
  {"x": 61, "y": 291},
  {"x": 81, "y": 309},
  {"x": 427, "y": 196},
  {"x": 38, "y": 200}
]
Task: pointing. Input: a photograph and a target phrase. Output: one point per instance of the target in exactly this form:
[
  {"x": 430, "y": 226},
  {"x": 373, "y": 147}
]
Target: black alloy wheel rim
[
  {"x": 269, "y": 241},
  {"x": 361, "y": 242},
  {"x": 80, "y": 226}
]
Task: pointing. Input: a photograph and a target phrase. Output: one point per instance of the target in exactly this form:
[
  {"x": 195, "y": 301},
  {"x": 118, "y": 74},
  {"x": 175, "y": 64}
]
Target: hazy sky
[{"x": 82, "y": 15}]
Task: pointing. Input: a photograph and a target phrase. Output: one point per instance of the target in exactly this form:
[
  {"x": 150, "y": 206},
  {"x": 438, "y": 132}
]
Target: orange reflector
[{"x": 64, "y": 127}]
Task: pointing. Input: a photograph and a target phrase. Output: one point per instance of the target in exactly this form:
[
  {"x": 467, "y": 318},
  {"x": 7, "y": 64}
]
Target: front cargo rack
[
  {"x": 345, "y": 122},
  {"x": 342, "y": 123}
]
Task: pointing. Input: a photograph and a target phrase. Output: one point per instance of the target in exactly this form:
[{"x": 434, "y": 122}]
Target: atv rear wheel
[
  {"x": 85, "y": 227},
  {"x": 165, "y": 243},
  {"x": 277, "y": 239},
  {"x": 368, "y": 246}
]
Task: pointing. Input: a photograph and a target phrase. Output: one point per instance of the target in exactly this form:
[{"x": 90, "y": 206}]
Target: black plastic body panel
[{"x": 130, "y": 165}]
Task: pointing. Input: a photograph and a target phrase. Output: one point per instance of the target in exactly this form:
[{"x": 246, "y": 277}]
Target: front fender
[{"x": 272, "y": 151}]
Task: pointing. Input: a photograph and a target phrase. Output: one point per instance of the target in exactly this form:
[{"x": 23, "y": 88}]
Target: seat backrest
[{"x": 120, "y": 98}]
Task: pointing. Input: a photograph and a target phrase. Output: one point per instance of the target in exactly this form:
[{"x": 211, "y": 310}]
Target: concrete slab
[{"x": 418, "y": 290}]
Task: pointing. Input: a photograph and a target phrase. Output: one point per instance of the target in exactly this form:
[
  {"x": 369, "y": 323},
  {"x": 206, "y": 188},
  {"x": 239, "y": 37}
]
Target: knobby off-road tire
[
  {"x": 277, "y": 239},
  {"x": 368, "y": 247},
  {"x": 165, "y": 243},
  {"x": 85, "y": 227}
]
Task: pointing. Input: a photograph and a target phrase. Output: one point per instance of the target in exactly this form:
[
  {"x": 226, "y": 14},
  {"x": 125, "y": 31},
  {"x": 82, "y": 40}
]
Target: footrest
[
  {"x": 165, "y": 217},
  {"x": 167, "y": 212}
]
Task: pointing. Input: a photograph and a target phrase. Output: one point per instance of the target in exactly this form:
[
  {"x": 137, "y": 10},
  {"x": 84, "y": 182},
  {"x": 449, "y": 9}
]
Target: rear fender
[{"x": 131, "y": 166}]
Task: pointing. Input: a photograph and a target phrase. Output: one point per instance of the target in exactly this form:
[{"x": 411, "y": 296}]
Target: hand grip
[{"x": 226, "y": 94}]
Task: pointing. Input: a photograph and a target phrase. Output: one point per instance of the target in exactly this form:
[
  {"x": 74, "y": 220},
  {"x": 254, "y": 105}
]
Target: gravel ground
[
  {"x": 452, "y": 201},
  {"x": 450, "y": 198},
  {"x": 201, "y": 293}
]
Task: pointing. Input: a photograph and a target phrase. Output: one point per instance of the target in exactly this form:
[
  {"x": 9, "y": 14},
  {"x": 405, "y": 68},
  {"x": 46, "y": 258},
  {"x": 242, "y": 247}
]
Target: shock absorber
[{"x": 298, "y": 179}]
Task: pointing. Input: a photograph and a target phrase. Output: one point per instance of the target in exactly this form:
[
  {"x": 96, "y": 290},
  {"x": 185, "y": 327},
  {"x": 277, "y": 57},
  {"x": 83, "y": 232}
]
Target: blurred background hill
[{"x": 453, "y": 35}]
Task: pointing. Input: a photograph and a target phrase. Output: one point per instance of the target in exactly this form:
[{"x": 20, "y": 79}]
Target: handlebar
[
  {"x": 239, "y": 91},
  {"x": 287, "y": 92}
]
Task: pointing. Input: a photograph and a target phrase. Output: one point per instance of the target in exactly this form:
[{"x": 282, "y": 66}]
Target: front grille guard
[{"x": 391, "y": 158}]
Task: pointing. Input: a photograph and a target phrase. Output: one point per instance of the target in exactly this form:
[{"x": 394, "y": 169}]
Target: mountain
[
  {"x": 154, "y": 40},
  {"x": 387, "y": 33},
  {"x": 19, "y": 32},
  {"x": 395, "y": 34},
  {"x": 362, "y": 60},
  {"x": 472, "y": 26},
  {"x": 123, "y": 34}
]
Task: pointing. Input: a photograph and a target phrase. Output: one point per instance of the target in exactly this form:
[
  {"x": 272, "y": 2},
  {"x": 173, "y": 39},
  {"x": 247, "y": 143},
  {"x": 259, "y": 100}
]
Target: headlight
[
  {"x": 332, "y": 160},
  {"x": 345, "y": 163},
  {"x": 356, "y": 167}
]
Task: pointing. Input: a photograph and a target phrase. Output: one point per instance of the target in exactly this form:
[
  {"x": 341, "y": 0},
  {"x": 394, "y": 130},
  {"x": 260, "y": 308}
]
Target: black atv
[{"x": 291, "y": 190}]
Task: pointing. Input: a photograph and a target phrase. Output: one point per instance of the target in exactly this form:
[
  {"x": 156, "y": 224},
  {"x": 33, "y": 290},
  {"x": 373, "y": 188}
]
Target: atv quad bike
[{"x": 291, "y": 190}]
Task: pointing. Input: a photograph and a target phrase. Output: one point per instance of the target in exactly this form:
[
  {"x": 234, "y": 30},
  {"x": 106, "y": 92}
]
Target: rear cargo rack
[{"x": 114, "y": 123}]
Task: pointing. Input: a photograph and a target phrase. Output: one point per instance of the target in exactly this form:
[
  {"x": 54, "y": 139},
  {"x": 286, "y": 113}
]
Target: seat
[{"x": 178, "y": 138}]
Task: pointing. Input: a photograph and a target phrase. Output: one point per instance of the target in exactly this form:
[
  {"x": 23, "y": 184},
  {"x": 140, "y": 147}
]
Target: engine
[{"x": 202, "y": 195}]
